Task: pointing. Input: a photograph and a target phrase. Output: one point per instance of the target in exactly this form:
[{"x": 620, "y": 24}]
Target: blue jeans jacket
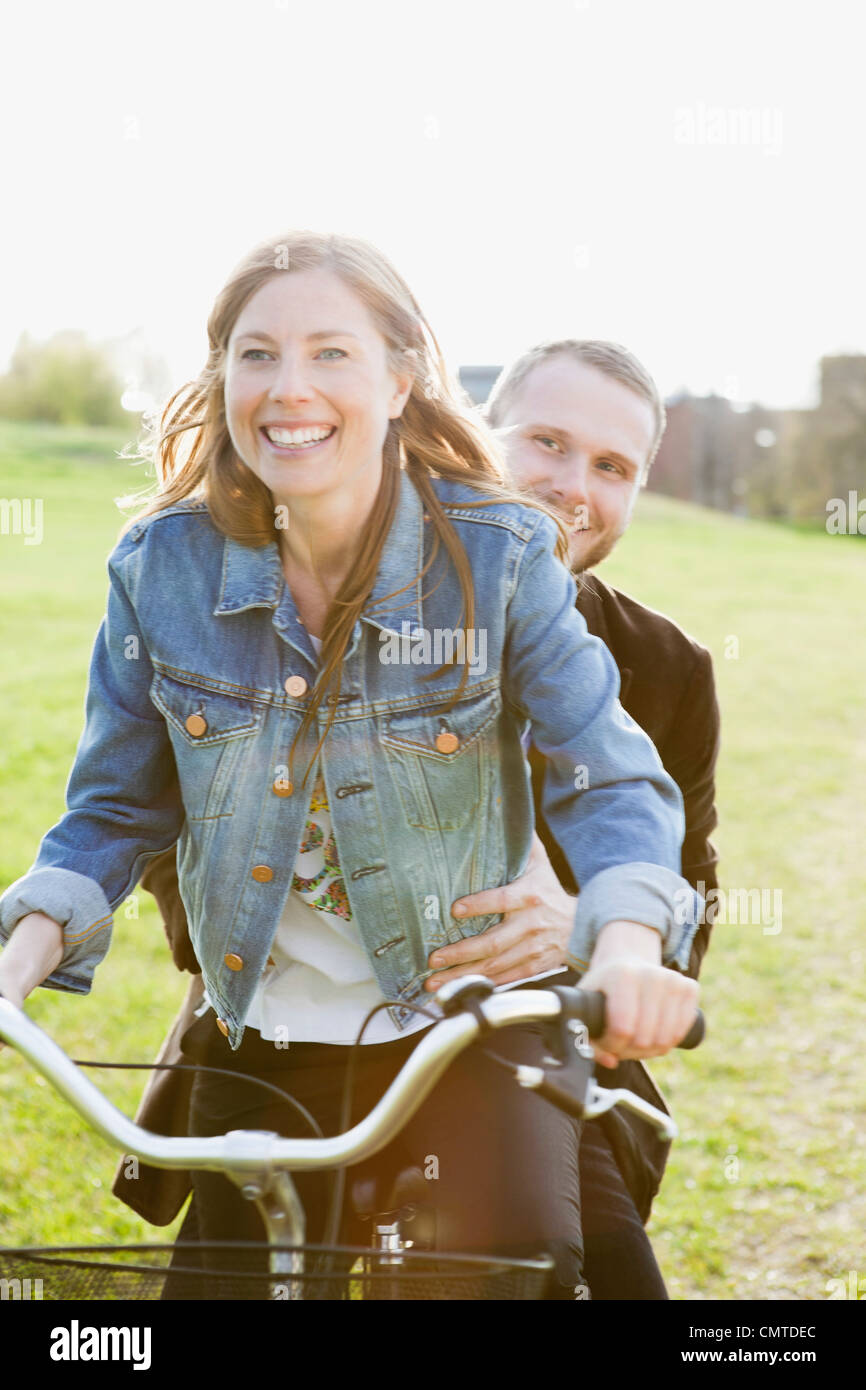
[{"x": 199, "y": 678}]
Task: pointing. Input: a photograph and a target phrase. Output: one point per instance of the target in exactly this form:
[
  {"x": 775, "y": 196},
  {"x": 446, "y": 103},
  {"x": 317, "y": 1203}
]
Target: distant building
[
  {"x": 737, "y": 458},
  {"x": 478, "y": 381}
]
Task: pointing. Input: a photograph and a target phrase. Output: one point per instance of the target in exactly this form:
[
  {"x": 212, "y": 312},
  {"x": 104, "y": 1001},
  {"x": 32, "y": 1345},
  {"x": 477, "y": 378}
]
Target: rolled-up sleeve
[
  {"x": 123, "y": 799},
  {"x": 607, "y": 798}
]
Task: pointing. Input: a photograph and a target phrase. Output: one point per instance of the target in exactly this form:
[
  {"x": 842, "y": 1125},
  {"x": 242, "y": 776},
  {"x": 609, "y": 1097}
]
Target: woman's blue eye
[
  {"x": 255, "y": 353},
  {"x": 546, "y": 438}
]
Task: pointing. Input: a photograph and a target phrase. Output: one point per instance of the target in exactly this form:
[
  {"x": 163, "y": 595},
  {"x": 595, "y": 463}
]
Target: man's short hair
[{"x": 610, "y": 358}]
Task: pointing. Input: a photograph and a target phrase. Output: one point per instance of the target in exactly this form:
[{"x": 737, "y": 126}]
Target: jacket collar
[
  {"x": 252, "y": 576},
  {"x": 593, "y": 597}
]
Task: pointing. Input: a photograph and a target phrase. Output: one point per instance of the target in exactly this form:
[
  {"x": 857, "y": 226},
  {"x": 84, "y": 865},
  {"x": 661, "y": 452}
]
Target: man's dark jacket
[{"x": 667, "y": 687}]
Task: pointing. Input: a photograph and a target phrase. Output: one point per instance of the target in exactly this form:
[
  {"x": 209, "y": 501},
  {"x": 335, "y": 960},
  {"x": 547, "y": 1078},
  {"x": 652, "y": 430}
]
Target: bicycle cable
[{"x": 219, "y": 1071}]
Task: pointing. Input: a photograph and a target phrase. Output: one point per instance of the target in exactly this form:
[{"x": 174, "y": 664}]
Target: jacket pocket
[
  {"x": 439, "y": 762},
  {"x": 209, "y": 732}
]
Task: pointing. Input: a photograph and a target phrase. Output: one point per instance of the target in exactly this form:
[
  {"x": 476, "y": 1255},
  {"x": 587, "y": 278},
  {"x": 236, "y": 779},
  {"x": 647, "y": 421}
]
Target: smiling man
[{"x": 581, "y": 422}]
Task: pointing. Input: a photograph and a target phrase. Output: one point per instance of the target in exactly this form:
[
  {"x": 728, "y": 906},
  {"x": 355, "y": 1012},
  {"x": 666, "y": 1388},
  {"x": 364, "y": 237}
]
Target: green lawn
[{"x": 764, "y": 1192}]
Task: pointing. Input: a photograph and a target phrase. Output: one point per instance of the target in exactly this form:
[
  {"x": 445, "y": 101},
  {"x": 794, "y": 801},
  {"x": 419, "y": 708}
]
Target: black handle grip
[{"x": 589, "y": 1007}]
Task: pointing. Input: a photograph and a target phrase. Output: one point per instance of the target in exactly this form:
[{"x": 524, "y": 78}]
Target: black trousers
[
  {"x": 619, "y": 1261},
  {"x": 505, "y": 1163}
]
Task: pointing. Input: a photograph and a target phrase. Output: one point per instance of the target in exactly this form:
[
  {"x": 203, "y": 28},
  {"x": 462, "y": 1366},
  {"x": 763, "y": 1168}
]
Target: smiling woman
[{"x": 308, "y": 895}]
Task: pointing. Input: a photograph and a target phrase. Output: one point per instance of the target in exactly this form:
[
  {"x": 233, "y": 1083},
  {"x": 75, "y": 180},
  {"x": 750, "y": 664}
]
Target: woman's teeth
[{"x": 298, "y": 439}]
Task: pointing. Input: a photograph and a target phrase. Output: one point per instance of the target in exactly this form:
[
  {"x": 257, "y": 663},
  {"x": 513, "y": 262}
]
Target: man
[{"x": 581, "y": 423}]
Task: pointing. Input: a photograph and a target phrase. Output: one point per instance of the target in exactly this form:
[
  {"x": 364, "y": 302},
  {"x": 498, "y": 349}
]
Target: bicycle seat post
[{"x": 388, "y": 1239}]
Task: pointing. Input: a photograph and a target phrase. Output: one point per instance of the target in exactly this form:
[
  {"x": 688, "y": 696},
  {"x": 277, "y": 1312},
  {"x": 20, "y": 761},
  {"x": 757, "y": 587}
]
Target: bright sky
[{"x": 683, "y": 176}]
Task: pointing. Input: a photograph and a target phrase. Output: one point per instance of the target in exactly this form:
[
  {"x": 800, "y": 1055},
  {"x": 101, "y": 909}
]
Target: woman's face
[{"x": 308, "y": 390}]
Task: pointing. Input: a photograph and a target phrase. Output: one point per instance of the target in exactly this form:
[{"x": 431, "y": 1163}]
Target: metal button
[
  {"x": 446, "y": 742},
  {"x": 234, "y": 962},
  {"x": 196, "y": 725},
  {"x": 262, "y": 873},
  {"x": 295, "y": 685},
  {"x": 223, "y": 1027},
  {"x": 282, "y": 787}
]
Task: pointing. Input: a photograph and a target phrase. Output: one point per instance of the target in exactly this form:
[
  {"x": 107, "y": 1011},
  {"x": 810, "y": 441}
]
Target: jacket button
[
  {"x": 262, "y": 874},
  {"x": 282, "y": 787},
  {"x": 446, "y": 742},
  {"x": 223, "y": 1027},
  {"x": 196, "y": 725},
  {"x": 295, "y": 685},
  {"x": 234, "y": 962}
]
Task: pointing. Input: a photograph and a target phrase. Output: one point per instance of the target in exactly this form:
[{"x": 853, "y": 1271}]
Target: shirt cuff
[
  {"x": 80, "y": 907},
  {"x": 645, "y": 893}
]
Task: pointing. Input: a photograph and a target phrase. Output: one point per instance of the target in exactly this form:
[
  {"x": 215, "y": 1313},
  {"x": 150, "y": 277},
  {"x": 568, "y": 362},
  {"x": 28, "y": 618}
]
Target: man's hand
[
  {"x": 649, "y": 1008},
  {"x": 533, "y": 937}
]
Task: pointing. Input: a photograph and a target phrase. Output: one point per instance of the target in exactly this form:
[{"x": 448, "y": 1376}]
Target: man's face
[{"x": 579, "y": 440}]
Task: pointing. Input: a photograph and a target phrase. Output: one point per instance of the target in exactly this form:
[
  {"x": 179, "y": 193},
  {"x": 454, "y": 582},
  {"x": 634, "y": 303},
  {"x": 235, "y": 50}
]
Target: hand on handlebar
[
  {"x": 33, "y": 951},
  {"x": 650, "y": 1008}
]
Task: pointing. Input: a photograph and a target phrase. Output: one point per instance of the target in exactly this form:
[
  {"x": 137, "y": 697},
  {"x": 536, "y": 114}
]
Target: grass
[{"x": 764, "y": 1196}]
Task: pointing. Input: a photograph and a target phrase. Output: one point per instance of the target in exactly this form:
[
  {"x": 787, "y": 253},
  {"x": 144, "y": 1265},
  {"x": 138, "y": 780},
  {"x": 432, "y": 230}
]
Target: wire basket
[{"x": 237, "y": 1270}]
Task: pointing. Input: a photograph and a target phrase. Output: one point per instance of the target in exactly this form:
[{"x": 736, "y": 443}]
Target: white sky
[{"x": 526, "y": 166}]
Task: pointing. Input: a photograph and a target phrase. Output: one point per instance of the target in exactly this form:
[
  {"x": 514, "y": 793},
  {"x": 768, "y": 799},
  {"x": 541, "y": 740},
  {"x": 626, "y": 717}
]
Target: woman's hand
[
  {"x": 534, "y": 936},
  {"x": 649, "y": 1007},
  {"x": 33, "y": 952}
]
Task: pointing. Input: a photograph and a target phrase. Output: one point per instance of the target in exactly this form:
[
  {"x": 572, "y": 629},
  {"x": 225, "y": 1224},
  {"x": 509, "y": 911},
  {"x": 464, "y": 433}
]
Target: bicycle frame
[{"x": 260, "y": 1162}]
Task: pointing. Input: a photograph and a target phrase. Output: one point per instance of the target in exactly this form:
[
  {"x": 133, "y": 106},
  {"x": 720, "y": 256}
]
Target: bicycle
[{"x": 260, "y": 1163}]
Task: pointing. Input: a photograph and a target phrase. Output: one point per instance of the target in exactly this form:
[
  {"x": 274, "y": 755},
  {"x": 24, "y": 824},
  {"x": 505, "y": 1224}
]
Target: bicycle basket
[{"x": 236, "y": 1270}]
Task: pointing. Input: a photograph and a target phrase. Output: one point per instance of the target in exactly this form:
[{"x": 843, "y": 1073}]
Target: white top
[{"x": 321, "y": 985}]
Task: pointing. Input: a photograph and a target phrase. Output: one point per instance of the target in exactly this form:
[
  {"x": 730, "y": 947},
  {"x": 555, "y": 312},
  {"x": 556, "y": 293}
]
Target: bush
[{"x": 66, "y": 381}]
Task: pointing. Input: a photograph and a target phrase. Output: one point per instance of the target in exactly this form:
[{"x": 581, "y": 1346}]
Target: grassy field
[{"x": 764, "y": 1194}]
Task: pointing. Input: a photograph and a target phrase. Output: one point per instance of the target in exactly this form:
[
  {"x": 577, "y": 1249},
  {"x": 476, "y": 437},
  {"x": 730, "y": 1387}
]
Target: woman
[{"x": 277, "y": 683}]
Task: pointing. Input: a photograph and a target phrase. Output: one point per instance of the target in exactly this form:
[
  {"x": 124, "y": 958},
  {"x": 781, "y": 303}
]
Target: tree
[{"x": 66, "y": 380}]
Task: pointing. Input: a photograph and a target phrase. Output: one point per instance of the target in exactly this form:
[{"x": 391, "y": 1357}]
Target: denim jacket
[{"x": 199, "y": 678}]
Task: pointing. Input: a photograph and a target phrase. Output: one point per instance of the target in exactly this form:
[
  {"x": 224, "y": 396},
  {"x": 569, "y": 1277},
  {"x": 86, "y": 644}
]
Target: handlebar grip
[
  {"x": 589, "y": 1007},
  {"x": 696, "y": 1034}
]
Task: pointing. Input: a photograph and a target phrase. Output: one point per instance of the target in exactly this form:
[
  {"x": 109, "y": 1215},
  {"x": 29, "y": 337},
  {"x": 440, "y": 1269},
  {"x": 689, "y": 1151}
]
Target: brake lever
[
  {"x": 600, "y": 1099},
  {"x": 590, "y": 1099}
]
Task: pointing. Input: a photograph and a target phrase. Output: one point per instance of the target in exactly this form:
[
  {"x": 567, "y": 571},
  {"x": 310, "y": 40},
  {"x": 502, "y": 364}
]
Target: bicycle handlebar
[
  {"x": 250, "y": 1151},
  {"x": 591, "y": 1011}
]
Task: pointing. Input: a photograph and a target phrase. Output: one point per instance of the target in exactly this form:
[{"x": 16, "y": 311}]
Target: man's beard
[{"x": 594, "y": 554}]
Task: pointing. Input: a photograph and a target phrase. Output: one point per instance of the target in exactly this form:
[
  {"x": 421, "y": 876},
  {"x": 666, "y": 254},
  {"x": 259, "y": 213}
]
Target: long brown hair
[{"x": 438, "y": 435}]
